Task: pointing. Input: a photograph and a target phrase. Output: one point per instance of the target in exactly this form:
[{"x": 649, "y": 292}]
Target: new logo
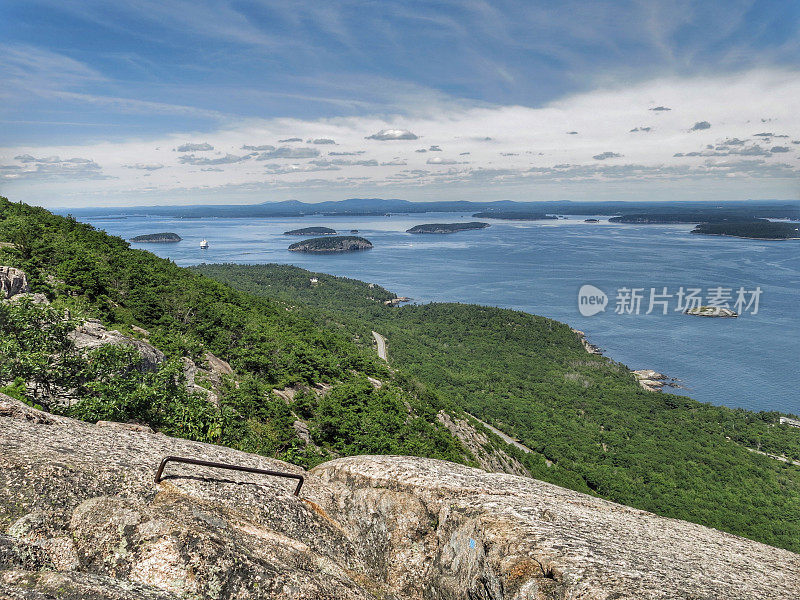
[{"x": 591, "y": 300}]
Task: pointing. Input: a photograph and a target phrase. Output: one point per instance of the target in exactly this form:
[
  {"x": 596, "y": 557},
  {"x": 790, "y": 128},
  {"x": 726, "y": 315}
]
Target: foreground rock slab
[{"x": 81, "y": 517}]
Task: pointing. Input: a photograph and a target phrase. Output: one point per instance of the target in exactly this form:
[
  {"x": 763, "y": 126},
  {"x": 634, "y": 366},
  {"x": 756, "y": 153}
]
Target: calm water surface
[{"x": 749, "y": 362}]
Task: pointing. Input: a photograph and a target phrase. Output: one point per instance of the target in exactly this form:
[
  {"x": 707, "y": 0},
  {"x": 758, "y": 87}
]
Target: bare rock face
[
  {"x": 488, "y": 458},
  {"x": 81, "y": 517},
  {"x": 201, "y": 533},
  {"x": 91, "y": 334},
  {"x": 470, "y": 534},
  {"x": 206, "y": 379},
  {"x": 12, "y": 282}
]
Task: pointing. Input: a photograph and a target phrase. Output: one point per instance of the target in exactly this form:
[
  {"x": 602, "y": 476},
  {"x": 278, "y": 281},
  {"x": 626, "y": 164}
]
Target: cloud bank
[{"x": 514, "y": 151}]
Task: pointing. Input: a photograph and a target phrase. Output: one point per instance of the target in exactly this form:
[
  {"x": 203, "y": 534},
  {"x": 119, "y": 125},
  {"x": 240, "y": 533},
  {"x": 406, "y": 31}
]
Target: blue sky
[{"x": 97, "y": 97}]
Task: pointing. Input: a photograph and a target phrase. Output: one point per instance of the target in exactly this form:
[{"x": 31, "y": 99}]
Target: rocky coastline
[{"x": 648, "y": 379}]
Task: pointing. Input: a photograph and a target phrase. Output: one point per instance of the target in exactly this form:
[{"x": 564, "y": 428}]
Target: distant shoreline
[{"x": 746, "y": 237}]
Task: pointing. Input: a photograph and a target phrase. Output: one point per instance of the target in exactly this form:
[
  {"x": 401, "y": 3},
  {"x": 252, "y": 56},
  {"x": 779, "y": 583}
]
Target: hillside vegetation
[
  {"x": 270, "y": 343},
  {"x": 592, "y": 427}
]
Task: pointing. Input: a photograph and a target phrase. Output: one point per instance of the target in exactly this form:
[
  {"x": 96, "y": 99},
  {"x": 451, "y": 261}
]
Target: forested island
[
  {"x": 514, "y": 215},
  {"x": 157, "y": 238},
  {"x": 757, "y": 230},
  {"x": 446, "y": 227},
  {"x": 311, "y": 231},
  {"x": 342, "y": 243}
]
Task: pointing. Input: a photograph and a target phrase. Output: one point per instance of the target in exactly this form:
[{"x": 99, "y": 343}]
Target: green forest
[
  {"x": 270, "y": 343},
  {"x": 591, "y": 426},
  {"x": 584, "y": 415}
]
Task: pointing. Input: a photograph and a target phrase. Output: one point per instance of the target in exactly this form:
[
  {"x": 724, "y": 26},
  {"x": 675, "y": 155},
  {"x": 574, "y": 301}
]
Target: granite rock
[{"x": 81, "y": 516}]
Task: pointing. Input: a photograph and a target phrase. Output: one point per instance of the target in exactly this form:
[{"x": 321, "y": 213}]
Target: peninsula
[
  {"x": 157, "y": 238},
  {"x": 343, "y": 243},
  {"x": 447, "y": 227},
  {"x": 311, "y": 231}
]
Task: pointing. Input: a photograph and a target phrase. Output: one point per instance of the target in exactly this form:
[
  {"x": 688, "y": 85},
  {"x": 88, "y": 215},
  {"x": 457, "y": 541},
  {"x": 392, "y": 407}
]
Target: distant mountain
[{"x": 378, "y": 206}]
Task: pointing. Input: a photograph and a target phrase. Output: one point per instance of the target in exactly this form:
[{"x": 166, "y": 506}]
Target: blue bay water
[{"x": 749, "y": 362}]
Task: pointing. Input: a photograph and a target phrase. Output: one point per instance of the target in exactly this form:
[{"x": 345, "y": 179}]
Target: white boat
[{"x": 204, "y": 244}]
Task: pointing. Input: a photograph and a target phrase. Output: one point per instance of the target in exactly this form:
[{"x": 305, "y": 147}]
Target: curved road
[{"x": 381, "y": 342}]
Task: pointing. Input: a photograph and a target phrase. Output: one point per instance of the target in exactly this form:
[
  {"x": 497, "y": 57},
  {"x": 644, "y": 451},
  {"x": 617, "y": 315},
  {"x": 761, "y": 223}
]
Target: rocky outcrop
[
  {"x": 12, "y": 282},
  {"x": 590, "y": 348},
  {"x": 78, "y": 501},
  {"x": 711, "y": 311},
  {"x": 477, "y": 442},
  {"x": 81, "y": 517},
  {"x": 91, "y": 334},
  {"x": 652, "y": 381},
  {"x": 207, "y": 378},
  {"x": 449, "y": 531}
]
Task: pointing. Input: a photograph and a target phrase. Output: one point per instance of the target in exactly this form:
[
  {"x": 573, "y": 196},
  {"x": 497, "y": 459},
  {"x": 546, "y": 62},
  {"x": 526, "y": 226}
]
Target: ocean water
[{"x": 749, "y": 362}]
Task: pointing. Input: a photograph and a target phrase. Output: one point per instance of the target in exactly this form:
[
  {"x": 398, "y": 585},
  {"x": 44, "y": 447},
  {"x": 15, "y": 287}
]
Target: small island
[
  {"x": 756, "y": 230},
  {"x": 157, "y": 238},
  {"x": 711, "y": 311},
  {"x": 311, "y": 231},
  {"x": 343, "y": 243},
  {"x": 514, "y": 215},
  {"x": 446, "y": 227}
]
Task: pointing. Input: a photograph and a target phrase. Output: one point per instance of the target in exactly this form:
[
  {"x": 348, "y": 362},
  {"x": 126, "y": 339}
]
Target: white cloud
[
  {"x": 276, "y": 169},
  {"x": 262, "y": 148},
  {"x": 189, "y": 147},
  {"x": 145, "y": 166},
  {"x": 287, "y": 152},
  {"x": 228, "y": 159},
  {"x": 393, "y": 134},
  {"x": 442, "y": 161},
  {"x": 512, "y": 146},
  {"x": 700, "y": 125},
  {"x": 49, "y": 168}
]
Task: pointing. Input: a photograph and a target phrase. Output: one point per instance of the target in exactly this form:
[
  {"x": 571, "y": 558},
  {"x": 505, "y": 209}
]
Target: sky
[{"x": 206, "y": 101}]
